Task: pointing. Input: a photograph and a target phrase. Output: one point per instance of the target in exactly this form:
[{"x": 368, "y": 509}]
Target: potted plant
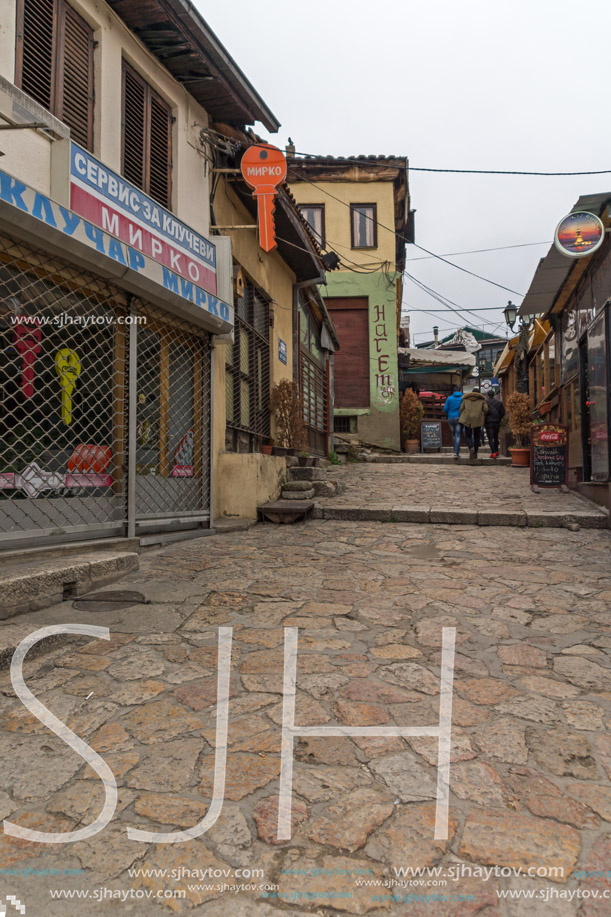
[
  {"x": 519, "y": 407},
  {"x": 302, "y": 459},
  {"x": 285, "y": 404},
  {"x": 266, "y": 448},
  {"x": 410, "y": 417}
]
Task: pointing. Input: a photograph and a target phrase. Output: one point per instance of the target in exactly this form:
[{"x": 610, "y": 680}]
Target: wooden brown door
[{"x": 351, "y": 319}]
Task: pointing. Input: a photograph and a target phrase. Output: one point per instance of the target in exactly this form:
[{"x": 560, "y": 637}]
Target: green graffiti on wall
[{"x": 383, "y": 368}]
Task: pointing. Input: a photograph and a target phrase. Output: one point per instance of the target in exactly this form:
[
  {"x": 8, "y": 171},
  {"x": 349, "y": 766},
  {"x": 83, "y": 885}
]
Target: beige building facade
[
  {"x": 359, "y": 208},
  {"x": 118, "y": 298}
]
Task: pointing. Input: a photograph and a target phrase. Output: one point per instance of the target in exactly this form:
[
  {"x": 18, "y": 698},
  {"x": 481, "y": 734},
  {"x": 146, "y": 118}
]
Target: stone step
[
  {"x": 28, "y": 587},
  {"x": 440, "y": 515},
  {"x": 307, "y": 474},
  {"x": 298, "y": 494},
  {"x": 328, "y": 488},
  {"x": 435, "y": 458},
  {"x": 285, "y": 511},
  {"x": 297, "y": 485}
]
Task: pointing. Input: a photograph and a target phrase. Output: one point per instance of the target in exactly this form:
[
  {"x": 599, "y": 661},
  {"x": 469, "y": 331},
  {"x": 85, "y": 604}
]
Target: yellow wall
[
  {"x": 337, "y": 215},
  {"x": 269, "y": 272},
  {"x": 245, "y": 480},
  {"x": 27, "y": 153}
]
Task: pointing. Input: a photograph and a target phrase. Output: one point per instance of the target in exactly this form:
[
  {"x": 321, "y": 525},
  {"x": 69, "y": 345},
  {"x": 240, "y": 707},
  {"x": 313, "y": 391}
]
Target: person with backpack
[
  {"x": 473, "y": 410},
  {"x": 496, "y": 412},
  {"x": 451, "y": 409}
]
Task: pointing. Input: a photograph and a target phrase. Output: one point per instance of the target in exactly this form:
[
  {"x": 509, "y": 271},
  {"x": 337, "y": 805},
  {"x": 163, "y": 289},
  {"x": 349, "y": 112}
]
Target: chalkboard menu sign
[
  {"x": 430, "y": 435},
  {"x": 549, "y": 453}
]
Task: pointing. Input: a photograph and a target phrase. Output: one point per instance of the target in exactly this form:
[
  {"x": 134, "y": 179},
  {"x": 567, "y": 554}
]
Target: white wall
[{"x": 28, "y": 153}]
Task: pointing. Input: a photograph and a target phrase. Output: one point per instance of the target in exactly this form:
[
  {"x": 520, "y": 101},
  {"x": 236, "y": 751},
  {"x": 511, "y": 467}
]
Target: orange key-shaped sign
[{"x": 264, "y": 168}]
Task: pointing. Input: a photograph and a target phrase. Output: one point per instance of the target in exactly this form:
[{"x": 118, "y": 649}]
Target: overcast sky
[{"x": 477, "y": 84}]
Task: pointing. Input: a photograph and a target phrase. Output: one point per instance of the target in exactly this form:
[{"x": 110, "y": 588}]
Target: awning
[
  {"x": 504, "y": 361},
  {"x": 554, "y": 269}
]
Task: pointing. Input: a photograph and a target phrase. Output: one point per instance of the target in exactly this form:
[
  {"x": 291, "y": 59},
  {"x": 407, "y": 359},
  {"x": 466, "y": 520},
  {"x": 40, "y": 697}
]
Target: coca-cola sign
[{"x": 549, "y": 455}]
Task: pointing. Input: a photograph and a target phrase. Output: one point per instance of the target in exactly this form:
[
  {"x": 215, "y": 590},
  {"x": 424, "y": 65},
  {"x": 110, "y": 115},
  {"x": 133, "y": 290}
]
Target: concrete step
[
  {"x": 297, "y": 485},
  {"x": 39, "y": 584},
  {"x": 64, "y": 551},
  {"x": 441, "y": 515},
  {"x": 298, "y": 494}
]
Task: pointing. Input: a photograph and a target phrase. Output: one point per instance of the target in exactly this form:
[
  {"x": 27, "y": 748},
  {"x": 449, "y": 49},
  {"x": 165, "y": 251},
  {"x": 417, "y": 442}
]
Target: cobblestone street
[
  {"x": 530, "y": 754},
  {"x": 461, "y": 486}
]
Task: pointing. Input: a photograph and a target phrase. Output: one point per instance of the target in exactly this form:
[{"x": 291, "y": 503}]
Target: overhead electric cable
[
  {"x": 466, "y": 271},
  {"x": 399, "y": 236},
  {"x": 477, "y": 251},
  {"x": 382, "y": 162},
  {"x": 452, "y": 306}
]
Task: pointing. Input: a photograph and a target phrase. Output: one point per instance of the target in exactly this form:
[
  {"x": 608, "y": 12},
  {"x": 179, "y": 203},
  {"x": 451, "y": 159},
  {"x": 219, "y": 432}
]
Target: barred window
[
  {"x": 312, "y": 380},
  {"x": 247, "y": 373},
  {"x": 54, "y": 63}
]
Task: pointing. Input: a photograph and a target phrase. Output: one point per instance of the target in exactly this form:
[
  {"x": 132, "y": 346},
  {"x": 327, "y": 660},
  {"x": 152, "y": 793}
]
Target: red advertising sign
[{"x": 263, "y": 169}]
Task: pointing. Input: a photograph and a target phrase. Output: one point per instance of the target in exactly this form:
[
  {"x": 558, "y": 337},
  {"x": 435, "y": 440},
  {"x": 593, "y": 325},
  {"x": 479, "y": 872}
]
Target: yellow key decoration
[{"x": 68, "y": 368}]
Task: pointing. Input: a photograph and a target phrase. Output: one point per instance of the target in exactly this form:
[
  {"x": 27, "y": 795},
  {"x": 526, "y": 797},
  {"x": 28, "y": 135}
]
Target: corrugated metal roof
[
  {"x": 419, "y": 357},
  {"x": 359, "y": 157},
  {"x": 554, "y": 269}
]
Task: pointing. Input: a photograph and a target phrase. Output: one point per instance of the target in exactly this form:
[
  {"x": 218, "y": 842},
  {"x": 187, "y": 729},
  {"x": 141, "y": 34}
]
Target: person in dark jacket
[
  {"x": 473, "y": 410},
  {"x": 451, "y": 409},
  {"x": 496, "y": 412}
]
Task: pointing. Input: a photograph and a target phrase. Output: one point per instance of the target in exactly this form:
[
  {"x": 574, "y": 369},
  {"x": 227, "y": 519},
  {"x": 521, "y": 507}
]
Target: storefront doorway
[{"x": 595, "y": 409}]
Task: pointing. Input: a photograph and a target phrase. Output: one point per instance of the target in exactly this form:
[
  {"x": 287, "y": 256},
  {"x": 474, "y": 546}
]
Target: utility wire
[
  {"x": 384, "y": 163},
  {"x": 477, "y": 251},
  {"x": 466, "y": 271},
  {"x": 445, "y": 311},
  {"x": 454, "y": 307},
  {"x": 406, "y": 241}
]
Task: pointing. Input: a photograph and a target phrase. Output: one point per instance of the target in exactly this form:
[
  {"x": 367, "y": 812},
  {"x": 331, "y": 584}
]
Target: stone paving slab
[
  {"x": 458, "y": 489},
  {"x": 530, "y": 757},
  {"x": 443, "y": 516}
]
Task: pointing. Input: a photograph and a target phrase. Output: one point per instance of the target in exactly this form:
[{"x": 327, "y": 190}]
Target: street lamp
[{"x": 511, "y": 313}]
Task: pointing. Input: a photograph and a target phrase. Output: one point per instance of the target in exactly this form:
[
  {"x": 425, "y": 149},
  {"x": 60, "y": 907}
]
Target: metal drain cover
[{"x": 108, "y": 601}]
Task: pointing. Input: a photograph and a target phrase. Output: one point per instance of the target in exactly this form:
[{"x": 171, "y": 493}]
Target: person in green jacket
[{"x": 473, "y": 410}]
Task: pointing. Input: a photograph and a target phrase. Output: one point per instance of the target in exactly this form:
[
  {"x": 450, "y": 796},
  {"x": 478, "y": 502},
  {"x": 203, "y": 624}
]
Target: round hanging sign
[{"x": 579, "y": 234}]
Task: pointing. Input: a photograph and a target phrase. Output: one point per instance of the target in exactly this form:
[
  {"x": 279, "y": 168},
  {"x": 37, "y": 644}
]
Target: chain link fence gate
[
  {"x": 170, "y": 483},
  {"x": 75, "y": 462}
]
